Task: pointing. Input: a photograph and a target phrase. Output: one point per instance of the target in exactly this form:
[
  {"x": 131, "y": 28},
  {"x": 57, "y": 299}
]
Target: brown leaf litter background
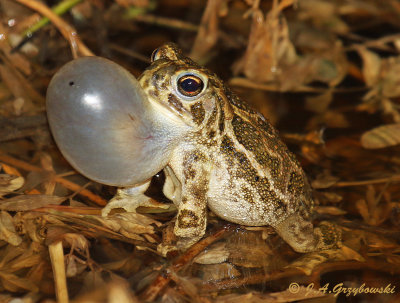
[{"x": 326, "y": 73}]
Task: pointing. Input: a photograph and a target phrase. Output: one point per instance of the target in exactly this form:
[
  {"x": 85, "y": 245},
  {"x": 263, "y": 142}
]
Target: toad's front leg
[{"x": 191, "y": 220}]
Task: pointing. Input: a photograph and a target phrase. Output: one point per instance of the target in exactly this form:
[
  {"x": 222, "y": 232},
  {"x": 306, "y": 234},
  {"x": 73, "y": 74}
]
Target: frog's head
[
  {"x": 181, "y": 89},
  {"x": 118, "y": 131}
]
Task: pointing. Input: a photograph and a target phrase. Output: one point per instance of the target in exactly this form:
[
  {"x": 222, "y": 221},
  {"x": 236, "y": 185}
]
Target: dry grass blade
[
  {"x": 28, "y": 92},
  {"x": 57, "y": 262},
  {"x": 69, "y": 33},
  {"x": 94, "y": 226},
  {"x": 68, "y": 184},
  {"x": 29, "y": 202}
]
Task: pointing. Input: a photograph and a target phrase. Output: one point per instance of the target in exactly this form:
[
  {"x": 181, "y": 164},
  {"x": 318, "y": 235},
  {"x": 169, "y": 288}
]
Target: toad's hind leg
[{"x": 300, "y": 234}]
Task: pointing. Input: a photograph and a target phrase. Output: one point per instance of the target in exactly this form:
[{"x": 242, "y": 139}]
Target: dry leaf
[
  {"x": 391, "y": 77},
  {"x": 29, "y": 202},
  {"x": 330, "y": 118},
  {"x": 325, "y": 14},
  {"x": 10, "y": 170},
  {"x": 371, "y": 65},
  {"x": 73, "y": 267},
  {"x": 331, "y": 197},
  {"x": 208, "y": 31},
  {"x": 328, "y": 66},
  {"x": 324, "y": 180},
  {"x": 269, "y": 47},
  {"x": 379, "y": 243},
  {"x": 9, "y": 183},
  {"x": 115, "y": 292},
  {"x": 373, "y": 209},
  {"x": 381, "y": 136},
  {"x": 13, "y": 283},
  {"x": 7, "y": 229},
  {"x": 34, "y": 224},
  {"x": 308, "y": 262},
  {"x": 213, "y": 255},
  {"x": 73, "y": 240},
  {"x": 329, "y": 210},
  {"x": 216, "y": 272},
  {"x": 362, "y": 208},
  {"x": 320, "y": 103},
  {"x": 354, "y": 239},
  {"x": 129, "y": 224},
  {"x": 248, "y": 249}
]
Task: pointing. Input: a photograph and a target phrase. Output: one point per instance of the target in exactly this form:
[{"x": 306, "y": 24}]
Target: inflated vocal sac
[{"x": 104, "y": 125}]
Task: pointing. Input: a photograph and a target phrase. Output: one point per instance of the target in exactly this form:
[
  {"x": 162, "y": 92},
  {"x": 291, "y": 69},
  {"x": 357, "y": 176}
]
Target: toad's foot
[
  {"x": 303, "y": 237},
  {"x": 181, "y": 245},
  {"x": 129, "y": 199}
]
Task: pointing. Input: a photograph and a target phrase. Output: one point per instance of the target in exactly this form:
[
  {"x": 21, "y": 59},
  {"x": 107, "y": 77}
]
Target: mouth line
[{"x": 171, "y": 111}]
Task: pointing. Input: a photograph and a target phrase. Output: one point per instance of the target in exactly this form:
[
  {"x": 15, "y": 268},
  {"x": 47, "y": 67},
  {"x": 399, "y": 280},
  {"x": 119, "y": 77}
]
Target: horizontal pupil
[{"x": 190, "y": 85}]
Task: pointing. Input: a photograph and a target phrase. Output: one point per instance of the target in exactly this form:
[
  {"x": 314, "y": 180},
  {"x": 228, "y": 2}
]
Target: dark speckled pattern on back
[{"x": 283, "y": 177}]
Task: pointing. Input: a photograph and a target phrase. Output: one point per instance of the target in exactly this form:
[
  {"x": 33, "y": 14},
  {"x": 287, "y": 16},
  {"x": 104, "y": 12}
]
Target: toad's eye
[
  {"x": 190, "y": 85},
  {"x": 155, "y": 55}
]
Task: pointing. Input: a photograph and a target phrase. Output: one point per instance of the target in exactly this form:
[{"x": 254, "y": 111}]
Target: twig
[
  {"x": 234, "y": 42},
  {"x": 67, "y": 174},
  {"x": 395, "y": 178},
  {"x": 167, "y": 22},
  {"x": 68, "y": 184},
  {"x": 129, "y": 52},
  {"x": 84, "y": 192},
  {"x": 59, "y": 9},
  {"x": 69, "y": 33},
  {"x": 244, "y": 82},
  {"x": 378, "y": 231},
  {"x": 24, "y": 121},
  {"x": 57, "y": 262},
  {"x": 83, "y": 187},
  {"x": 377, "y": 43},
  {"x": 13, "y": 134},
  {"x": 314, "y": 277},
  {"x": 353, "y": 265},
  {"x": 253, "y": 279},
  {"x": 27, "y": 87},
  {"x": 20, "y": 127},
  {"x": 152, "y": 291}
]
